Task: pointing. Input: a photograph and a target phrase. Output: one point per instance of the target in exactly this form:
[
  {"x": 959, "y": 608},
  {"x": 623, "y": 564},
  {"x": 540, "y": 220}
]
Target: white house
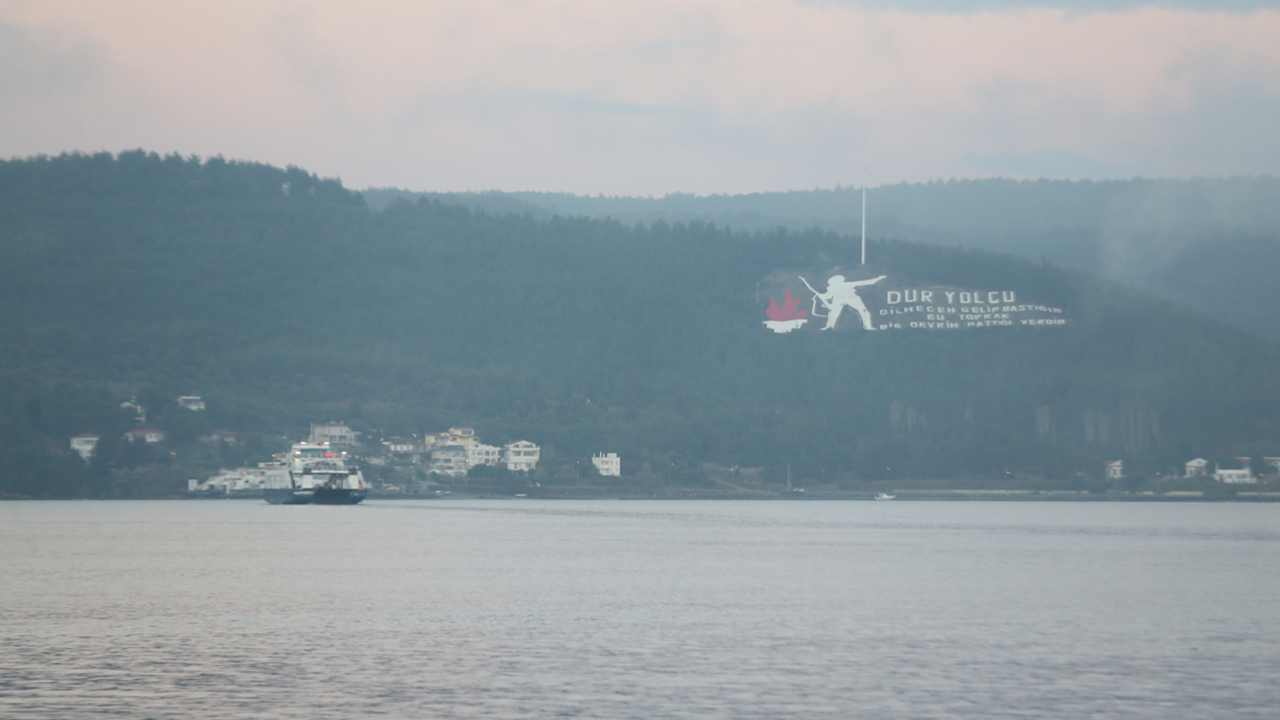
[
  {"x": 1197, "y": 468},
  {"x": 1115, "y": 469},
  {"x": 85, "y": 445},
  {"x": 1234, "y": 477},
  {"x": 336, "y": 434},
  {"x": 146, "y": 435},
  {"x": 191, "y": 402},
  {"x": 609, "y": 465},
  {"x": 479, "y": 454},
  {"x": 449, "y": 460},
  {"x": 521, "y": 455}
]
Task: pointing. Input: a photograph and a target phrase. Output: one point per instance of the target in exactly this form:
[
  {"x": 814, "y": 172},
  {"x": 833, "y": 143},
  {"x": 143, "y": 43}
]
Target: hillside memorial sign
[{"x": 865, "y": 299}]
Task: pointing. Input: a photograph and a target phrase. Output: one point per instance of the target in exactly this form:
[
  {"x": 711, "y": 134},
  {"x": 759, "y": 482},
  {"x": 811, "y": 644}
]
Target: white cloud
[{"x": 613, "y": 97}]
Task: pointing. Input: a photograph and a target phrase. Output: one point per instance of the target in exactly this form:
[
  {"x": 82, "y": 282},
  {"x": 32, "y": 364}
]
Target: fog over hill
[{"x": 1212, "y": 245}]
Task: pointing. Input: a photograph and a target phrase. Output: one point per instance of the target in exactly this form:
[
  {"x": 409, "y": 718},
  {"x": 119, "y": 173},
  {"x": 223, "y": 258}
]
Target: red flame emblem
[{"x": 788, "y": 309}]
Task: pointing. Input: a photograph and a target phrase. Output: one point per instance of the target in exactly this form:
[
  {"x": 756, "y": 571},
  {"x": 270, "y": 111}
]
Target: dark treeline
[{"x": 155, "y": 277}]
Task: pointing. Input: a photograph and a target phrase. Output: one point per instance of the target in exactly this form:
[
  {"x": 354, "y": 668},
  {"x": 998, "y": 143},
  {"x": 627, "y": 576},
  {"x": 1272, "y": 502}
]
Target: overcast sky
[{"x": 653, "y": 96}]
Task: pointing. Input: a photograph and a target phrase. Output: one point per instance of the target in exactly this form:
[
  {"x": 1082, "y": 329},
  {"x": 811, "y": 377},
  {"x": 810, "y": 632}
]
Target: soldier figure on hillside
[{"x": 840, "y": 294}]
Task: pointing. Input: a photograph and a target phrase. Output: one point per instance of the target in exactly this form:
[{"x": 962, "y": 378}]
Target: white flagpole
[{"x": 864, "y": 216}]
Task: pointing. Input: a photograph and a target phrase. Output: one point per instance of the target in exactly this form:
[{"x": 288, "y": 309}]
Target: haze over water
[{"x": 659, "y": 609}]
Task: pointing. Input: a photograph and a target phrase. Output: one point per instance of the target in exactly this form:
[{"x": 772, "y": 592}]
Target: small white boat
[{"x": 885, "y": 496}]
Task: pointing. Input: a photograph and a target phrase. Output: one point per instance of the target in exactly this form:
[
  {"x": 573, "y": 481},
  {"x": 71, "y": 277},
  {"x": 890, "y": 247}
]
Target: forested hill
[
  {"x": 1212, "y": 244},
  {"x": 283, "y": 305}
]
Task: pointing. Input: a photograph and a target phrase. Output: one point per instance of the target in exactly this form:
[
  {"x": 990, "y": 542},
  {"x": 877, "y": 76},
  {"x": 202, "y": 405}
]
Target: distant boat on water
[{"x": 885, "y": 496}]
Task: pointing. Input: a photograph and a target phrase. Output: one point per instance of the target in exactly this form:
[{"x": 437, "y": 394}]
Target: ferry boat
[{"x": 315, "y": 475}]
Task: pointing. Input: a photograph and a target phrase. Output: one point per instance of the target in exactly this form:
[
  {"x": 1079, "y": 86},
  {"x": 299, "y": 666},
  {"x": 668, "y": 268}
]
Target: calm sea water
[{"x": 628, "y": 609}]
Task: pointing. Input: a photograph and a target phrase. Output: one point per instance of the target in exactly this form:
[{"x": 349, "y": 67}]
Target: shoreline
[
  {"x": 576, "y": 493},
  {"x": 573, "y": 493}
]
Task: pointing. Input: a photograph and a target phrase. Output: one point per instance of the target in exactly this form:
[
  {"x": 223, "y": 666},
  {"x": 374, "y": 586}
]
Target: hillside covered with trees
[
  {"x": 1210, "y": 244},
  {"x": 282, "y": 300}
]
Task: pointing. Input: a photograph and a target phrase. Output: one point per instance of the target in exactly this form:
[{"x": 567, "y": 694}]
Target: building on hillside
[
  {"x": 521, "y": 455},
  {"x": 1197, "y": 468},
  {"x": 463, "y": 436},
  {"x": 410, "y": 449},
  {"x": 403, "y": 446},
  {"x": 145, "y": 435},
  {"x": 243, "y": 479},
  {"x": 1243, "y": 476},
  {"x": 85, "y": 445},
  {"x": 608, "y": 465},
  {"x": 191, "y": 402},
  {"x": 449, "y": 460},
  {"x": 336, "y": 434},
  {"x": 140, "y": 413},
  {"x": 480, "y": 454},
  {"x": 218, "y": 437},
  {"x": 1115, "y": 469}
]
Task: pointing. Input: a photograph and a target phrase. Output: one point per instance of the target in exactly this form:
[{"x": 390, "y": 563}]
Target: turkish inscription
[{"x": 875, "y": 300}]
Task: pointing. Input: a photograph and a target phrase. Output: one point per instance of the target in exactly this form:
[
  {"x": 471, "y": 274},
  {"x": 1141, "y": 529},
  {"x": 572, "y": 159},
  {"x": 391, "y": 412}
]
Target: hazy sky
[{"x": 652, "y": 96}]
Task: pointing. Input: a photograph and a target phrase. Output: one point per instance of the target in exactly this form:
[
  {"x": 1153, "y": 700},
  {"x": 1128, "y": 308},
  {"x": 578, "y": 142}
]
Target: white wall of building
[
  {"x": 1244, "y": 476},
  {"x": 85, "y": 445},
  {"x": 191, "y": 402},
  {"x": 609, "y": 465},
  {"x": 336, "y": 434},
  {"x": 479, "y": 454},
  {"x": 449, "y": 460},
  {"x": 521, "y": 455}
]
